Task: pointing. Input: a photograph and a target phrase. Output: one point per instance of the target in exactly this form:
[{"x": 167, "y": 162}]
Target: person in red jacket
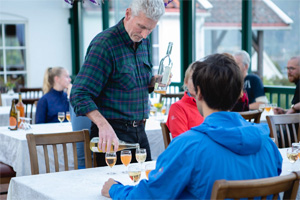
[{"x": 183, "y": 114}]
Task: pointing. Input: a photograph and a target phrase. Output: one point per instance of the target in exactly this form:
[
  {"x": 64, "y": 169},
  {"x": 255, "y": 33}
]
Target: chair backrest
[
  {"x": 29, "y": 104},
  {"x": 252, "y": 115},
  {"x": 0, "y": 99},
  {"x": 284, "y": 128},
  {"x": 288, "y": 184},
  {"x": 169, "y": 99},
  {"x": 166, "y": 134},
  {"x": 55, "y": 139},
  {"x": 32, "y": 93}
]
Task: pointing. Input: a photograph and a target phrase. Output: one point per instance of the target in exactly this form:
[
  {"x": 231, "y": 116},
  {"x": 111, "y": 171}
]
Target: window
[{"x": 12, "y": 55}]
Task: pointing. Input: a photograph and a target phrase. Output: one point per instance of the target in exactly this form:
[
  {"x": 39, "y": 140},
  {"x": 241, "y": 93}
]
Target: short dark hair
[{"x": 220, "y": 81}]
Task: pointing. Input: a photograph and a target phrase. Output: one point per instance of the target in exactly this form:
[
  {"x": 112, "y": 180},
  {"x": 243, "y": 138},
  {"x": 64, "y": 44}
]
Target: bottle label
[
  {"x": 18, "y": 112},
  {"x": 95, "y": 149},
  {"x": 166, "y": 75},
  {"x": 12, "y": 123}
]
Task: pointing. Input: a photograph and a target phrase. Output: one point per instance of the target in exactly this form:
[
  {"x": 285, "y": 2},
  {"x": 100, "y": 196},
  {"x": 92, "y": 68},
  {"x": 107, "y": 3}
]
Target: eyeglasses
[{"x": 169, "y": 1}]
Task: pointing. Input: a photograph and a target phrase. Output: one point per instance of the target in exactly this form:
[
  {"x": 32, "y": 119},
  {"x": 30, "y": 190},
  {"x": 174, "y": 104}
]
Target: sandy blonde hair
[
  {"x": 50, "y": 73},
  {"x": 188, "y": 74}
]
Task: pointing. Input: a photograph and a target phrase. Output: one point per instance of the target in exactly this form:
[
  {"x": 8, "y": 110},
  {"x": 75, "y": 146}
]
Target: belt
[{"x": 133, "y": 123}]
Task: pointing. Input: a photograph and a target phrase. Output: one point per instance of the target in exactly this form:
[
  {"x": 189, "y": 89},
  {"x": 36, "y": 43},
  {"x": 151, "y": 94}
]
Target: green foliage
[{"x": 277, "y": 81}]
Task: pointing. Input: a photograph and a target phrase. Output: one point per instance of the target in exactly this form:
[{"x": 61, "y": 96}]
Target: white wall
[{"x": 48, "y": 39}]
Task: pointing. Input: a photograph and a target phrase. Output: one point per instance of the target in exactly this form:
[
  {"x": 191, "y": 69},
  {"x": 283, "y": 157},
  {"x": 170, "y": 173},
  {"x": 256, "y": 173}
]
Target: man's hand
[
  {"x": 107, "y": 136},
  {"x": 106, "y": 133},
  {"x": 106, "y": 187},
  {"x": 279, "y": 111}
]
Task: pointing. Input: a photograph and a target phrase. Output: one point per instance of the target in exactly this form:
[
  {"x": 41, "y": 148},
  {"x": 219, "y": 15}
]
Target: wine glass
[
  {"x": 68, "y": 116},
  {"x": 148, "y": 168},
  {"x": 140, "y": 155},
  {"x": 134, "y": 172},
  {"x": 292, "y": 155},
  {"x": 268, "y": 107},
  {"x": 126, "y": 158},
  {"x": 61, "y": 116},
  {"x": 111, "y": 159}
]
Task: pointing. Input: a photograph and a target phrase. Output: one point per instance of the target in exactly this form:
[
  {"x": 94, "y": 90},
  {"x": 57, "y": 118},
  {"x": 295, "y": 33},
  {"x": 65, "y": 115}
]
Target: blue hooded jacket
[{"x": 224, "y": 146}]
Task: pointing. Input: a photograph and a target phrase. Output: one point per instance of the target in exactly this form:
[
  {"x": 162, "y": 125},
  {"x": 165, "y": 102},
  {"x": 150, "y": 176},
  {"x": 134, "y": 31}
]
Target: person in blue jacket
[
  {"x": 224, "y": 146},
  {"x": 56, "y": 81}
]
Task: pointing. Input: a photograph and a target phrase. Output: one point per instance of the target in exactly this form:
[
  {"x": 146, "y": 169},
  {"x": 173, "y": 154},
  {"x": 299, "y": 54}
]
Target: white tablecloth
[
  {"x": 4, "y": 115},
  {"x": 14, "y": 148},
  {"x": 78, "y": 184},
  {"x": 7, "y": 98}
]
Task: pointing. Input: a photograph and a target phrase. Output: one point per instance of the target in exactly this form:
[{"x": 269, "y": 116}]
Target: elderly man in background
[
  {"x": 252, "y": 83},
  {"x": 293, "y": 69}
]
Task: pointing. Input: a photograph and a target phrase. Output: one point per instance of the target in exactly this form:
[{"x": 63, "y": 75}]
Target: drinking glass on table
[
  {"x": 68, "y": 116},
  {"x": 292, "y": 155},
  {"x": 111, "y": 159},
  {"x": 134, "y": 172},
  {"x": 61, "y": 116},
  {"x": 148, "y": 168},
  {"x": 126, "y": 158},
  {"x": 140, "y": 155},
  {"x": 268, "y": 107}
]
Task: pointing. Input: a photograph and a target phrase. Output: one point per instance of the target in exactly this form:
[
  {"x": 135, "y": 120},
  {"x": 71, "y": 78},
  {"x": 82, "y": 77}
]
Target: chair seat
[{"x": 6, "y": 171}]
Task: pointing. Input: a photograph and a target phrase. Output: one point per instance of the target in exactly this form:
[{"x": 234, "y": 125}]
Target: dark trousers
[{"x": 127, "y": 133}]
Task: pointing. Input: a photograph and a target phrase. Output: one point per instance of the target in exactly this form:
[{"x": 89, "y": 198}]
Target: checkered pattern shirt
[{"x": 114, "y": 77}]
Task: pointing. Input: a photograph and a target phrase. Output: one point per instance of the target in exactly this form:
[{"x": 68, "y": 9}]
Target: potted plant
[{"x": 10, "y": 87}]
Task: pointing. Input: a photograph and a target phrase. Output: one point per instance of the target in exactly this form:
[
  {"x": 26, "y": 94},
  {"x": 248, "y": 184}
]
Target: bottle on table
[
  {"x": 164, "y": 71},
  {"x": 13, "y": 117},
  {"x": 20, "y": 109},
  {"x": 122, "y": 145}
]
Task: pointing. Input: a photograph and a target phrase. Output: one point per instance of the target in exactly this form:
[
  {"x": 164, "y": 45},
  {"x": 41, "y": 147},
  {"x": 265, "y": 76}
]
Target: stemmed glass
[
  {"x": 148, "y": 168},
  {"x": 292, "y": 155},
  {"x": 111, "y": 159},
  {"x": 126, "y": 158},
  {"x": 134, "y": 172},
  {"x": 140, "y": 155},
  {"x": 68, "y": 116},
  {"x": 25, "y": 123},
  {"x": 61, "y": 116},
  {"x": 268, "y": 107}
]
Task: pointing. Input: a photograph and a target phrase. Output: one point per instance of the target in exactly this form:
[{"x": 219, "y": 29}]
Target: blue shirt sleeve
[{"x": 161, "y": 183}]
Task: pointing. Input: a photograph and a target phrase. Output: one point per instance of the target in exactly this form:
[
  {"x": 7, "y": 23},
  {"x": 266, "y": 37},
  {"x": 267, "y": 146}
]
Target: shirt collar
[{"x": 124, "y": 34}]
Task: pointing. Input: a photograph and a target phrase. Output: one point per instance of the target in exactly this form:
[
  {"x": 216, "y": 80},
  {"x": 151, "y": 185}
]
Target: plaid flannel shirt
[{"x": 114, "y": 77}]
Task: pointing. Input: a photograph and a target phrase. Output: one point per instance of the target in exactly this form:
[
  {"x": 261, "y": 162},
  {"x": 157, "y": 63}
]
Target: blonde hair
[
  {"x": 188, "y": 74},
  {"x": 50, "y": 73}
]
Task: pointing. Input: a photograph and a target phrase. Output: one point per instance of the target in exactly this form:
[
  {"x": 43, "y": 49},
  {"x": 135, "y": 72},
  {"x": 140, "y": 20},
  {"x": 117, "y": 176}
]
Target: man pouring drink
[{"x": 114, "y": 82}]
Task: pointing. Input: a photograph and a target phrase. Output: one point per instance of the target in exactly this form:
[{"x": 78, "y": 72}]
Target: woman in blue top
[{"x": 55, "y": 100}]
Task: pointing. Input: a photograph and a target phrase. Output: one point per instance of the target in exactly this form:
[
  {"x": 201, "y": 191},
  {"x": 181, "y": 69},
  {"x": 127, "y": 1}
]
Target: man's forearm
[{"x": 96, "y": 117}]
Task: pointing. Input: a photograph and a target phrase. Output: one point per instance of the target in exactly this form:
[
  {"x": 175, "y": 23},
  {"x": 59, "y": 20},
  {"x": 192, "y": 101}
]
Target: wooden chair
[
  {"x": 169, "y": 99},
  {"x": 6, "y": 173},
  {"x": 55, "y": 139},
  {"x": 29, "y": 104},
  {"x": 32, "y": 93},
  {"x": 284, "y": 128},
  {"x": 166, "y": 134},
  {"x": 0, "y": 99},
  {"x": 252, "y": 115},
  {"x": 288, "y": 184}
]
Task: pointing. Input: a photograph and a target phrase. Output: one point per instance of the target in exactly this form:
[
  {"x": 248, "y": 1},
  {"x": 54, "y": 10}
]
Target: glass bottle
[
  {"x": 164, "y": 72},
  {"x": 122, "y": 145},
  {"x": 13, "y": 117},
  {"x": 20, "y": 109}
]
